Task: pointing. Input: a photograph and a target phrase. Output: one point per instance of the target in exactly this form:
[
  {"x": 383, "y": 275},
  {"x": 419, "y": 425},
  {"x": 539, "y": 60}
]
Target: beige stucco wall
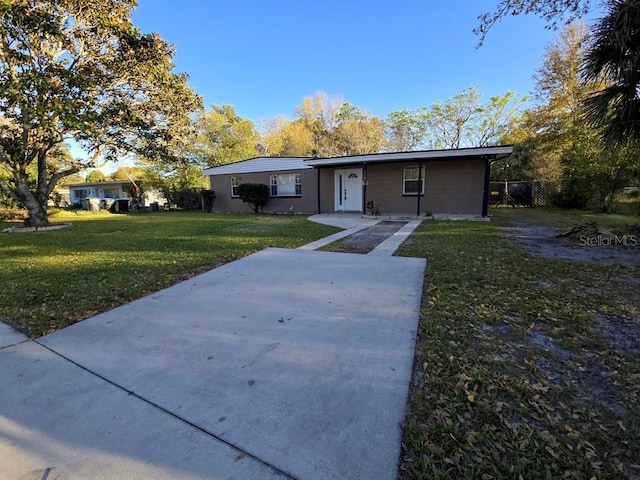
[{"x": 307, "y": 203}]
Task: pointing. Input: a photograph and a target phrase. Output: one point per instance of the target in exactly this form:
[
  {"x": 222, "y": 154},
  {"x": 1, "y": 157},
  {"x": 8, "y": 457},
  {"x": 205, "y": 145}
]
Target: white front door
[{"x": 348, "y": 188}]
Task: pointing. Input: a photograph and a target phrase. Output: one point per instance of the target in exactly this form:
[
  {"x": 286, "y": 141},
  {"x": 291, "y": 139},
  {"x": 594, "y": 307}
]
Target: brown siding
[
  {"x": 307, "y": 203},
  {"x": 384, "y": 187},
  {"x": 327, "y": 200},
  {"x": 455, "y": 187},
  {"x": 451, "y": 186}
]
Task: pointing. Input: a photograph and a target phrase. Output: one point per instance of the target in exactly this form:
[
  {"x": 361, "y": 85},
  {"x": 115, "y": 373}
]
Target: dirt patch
[
  {"x": 622, "y": 333},
  {"x": 543, "y": 241},
  {"x": 366, "y": 240}
]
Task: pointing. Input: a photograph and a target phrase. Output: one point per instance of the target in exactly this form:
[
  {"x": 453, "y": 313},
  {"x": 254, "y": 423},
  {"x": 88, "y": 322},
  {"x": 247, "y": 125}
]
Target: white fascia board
[
  {"x": 259, "y": 164},
  {"x": 420, "y": 155}
]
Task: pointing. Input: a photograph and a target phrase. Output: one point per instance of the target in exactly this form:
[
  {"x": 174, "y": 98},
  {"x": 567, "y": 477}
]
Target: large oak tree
[
  {"x": 551, "y": 11},
  {"x": 78, "y": 70}
]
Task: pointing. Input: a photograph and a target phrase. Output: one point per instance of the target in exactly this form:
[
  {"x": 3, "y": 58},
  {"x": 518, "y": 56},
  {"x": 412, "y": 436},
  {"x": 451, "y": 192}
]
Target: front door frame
[{"x": 348, "y": 195}]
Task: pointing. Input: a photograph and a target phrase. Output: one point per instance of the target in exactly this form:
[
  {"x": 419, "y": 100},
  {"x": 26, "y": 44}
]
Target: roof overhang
[
  {"x": 484, "y": 153},
  {"x": 259, "y": 164}
]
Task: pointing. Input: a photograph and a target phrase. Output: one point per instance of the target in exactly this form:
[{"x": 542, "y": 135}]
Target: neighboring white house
[
  {"x": 79, "y": 192},
  {"x": 105, "y": 193}
]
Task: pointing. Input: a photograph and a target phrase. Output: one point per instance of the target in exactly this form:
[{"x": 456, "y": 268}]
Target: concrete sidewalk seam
[
  {"x": 9, "y": 335},
  {"x": 171, "y": 414},
  {"x": 14, "y": 344}
]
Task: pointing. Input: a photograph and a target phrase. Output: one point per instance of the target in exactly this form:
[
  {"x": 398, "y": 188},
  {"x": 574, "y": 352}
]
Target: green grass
[
  {"x": 511, "y": 378},
  {"x": 55, "y": 278}
]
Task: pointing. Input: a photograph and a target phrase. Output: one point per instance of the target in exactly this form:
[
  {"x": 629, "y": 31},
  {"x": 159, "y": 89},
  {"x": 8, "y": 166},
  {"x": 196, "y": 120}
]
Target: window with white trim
[
  {"x": 286, "y": 185},
  {"x": 413, "y": 181},
  {"x": 235, "y": 183},
  {"x": 82, "y": 193}
]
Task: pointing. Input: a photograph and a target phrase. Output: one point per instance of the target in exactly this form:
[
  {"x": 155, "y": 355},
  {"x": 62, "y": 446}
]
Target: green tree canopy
[
  {"x": 356, "y": 132},
  {"x": 406, "y": 129},
  {"x": 224, "y": 137},
  {"x": 552, "y": 124},
  {"x": 557, "y": 143},
  {"x": 128, "y": 173},
  {"x": 324, "y": 126},
  {"x": 96, "y": 176},
  {"x": 79, "y": 70},
  {"x": 285, "y": 138},
  {"x": 465, "y": 121}
]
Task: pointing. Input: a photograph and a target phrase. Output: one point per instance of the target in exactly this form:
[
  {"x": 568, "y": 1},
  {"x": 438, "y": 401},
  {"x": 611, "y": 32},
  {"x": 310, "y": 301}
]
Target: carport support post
[
  {"x": 318, "y": 187},
  {"x": 485, "y": 199},
  {"x": 419, "y": 188},
  {"x": 364, "y": 188}
]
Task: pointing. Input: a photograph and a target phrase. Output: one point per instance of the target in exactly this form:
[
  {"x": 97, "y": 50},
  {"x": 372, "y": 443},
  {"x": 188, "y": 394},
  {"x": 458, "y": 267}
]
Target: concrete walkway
[
  {"x": 284, "y": 364},
  {"x": 391, "y": 244},
  {"x": 350, "y": 222},
  {"x": 353, "y": 223}
]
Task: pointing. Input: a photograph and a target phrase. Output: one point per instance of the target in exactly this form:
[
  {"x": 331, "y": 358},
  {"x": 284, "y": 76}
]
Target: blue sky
[{"x": 263, "y": 57}]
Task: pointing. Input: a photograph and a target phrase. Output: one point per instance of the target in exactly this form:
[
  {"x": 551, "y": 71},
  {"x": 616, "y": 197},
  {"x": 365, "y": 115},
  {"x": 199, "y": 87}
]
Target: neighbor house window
[
  {"x": 235, "y": 183},
  {"x": 286, "y": 185},
  {"x": 413, "y": 181},
  {"x": 82, "y": 193}
]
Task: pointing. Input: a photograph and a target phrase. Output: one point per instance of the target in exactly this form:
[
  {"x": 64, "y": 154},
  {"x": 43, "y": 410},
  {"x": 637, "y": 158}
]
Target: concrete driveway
[{"x": 284, "y": 364}]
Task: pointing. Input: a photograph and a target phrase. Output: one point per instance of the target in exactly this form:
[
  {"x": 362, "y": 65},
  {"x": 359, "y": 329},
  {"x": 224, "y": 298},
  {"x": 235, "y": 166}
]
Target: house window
[
  {"x": 413, "y": 181},
  {"x": 82, "y": 193},
  {"x": 286, "y": 185},
  {"x": 235, "y": 183},
  {"x": 110, "y": 193}
]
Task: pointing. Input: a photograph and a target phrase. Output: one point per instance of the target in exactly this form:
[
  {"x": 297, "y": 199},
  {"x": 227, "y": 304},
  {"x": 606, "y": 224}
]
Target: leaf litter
[{"x": 527, "y": 372}]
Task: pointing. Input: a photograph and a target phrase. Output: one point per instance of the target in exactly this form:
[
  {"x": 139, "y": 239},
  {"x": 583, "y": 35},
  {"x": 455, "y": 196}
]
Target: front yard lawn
[
  {"x": 52, "y": 279},
  {"x": 525, "y": 367}
]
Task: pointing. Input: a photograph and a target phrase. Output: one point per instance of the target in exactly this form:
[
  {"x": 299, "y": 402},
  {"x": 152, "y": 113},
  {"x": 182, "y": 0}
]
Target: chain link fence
[{"x": 522, "y": 194}]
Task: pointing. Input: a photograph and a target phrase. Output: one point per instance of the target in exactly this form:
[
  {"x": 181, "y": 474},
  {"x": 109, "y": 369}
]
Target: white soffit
[{"x": 259, "y": 164}]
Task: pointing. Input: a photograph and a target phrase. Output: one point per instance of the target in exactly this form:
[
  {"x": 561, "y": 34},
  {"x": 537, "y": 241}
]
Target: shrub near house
[{"x": 255, "y": 195}]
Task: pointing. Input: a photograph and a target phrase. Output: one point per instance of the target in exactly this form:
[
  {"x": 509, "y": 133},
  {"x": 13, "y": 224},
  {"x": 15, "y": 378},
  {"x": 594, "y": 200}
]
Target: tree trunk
[{"x": 37, "y": 210}]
